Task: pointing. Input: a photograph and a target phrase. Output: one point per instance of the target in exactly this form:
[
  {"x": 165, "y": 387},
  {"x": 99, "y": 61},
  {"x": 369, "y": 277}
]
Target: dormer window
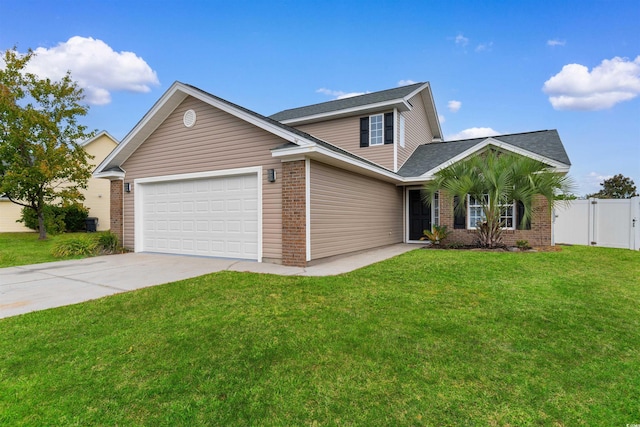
[{"x": 376, "y": 129}]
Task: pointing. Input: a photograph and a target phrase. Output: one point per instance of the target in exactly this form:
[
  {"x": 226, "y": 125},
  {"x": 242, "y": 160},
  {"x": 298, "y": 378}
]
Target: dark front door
[{"x": 419, "y": 215}]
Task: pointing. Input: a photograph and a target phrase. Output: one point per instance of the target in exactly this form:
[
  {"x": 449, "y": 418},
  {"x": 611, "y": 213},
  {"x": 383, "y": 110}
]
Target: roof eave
[
  {"x": 432, "y": 113},
  {"x": 317, "y": 152},
  {"x": 555, "y": 165},
  {"x": 111, "y": 175},
  {"x": 400, "y": 104}
]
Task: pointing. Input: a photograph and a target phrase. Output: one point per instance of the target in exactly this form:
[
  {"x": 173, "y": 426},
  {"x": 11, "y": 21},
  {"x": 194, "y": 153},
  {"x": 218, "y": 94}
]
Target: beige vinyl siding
[
  {"x": 351, "y": 212},
  {"x": 217, "y": 141},
  {"x": 345, "y": 133},
  {"x": 9, "y": 213},
  {"x": 96, "y": 196},
  {"x": 416, "y": 129}
]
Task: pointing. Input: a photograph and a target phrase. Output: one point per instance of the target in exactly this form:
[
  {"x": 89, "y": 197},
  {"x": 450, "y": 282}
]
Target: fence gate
[{"x": 613, "y": 223}]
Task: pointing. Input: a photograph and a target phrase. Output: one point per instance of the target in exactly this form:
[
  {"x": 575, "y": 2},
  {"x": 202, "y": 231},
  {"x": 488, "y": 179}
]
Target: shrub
[
  {"x": 75, "y": 216},
  {"x": 436, "y": 236},
  {"x": 53, "y": 220},
  {"x": 108, "y": 242},
  {"x": 76, "y": 246},
  {"x": 57, "y": 219},
  {"x": 523, "y": 245}
]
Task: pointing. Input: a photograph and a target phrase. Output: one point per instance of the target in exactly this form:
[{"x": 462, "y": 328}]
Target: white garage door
[{"x": 208, "y": 216}]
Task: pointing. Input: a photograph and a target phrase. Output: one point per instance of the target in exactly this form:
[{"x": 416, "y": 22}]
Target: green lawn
[
  {"x": 25, "y": 248},
  {"x": 431, "y": 337}
]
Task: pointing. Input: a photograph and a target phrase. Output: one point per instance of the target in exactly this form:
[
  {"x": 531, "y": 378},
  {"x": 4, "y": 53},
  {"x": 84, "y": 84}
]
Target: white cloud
[
  {"x": 556, "y": 42},
  {"x": 590, "y": 183},
  {"x": 96, "y": 67},
  {"x": 473, "y": 133},
  {"x": 441, "y": 118},
  {"x": 461, "y": 40},
  {"x": 406, "y": 82},
  {"x": 484, "y": 47},
  {"x": 576, "y": 88},
  {"x": 454, "y": 106},
  {"x": 338, "y": 94}
]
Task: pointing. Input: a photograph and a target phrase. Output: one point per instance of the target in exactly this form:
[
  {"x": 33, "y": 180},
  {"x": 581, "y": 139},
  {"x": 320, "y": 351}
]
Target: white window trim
[
  {"x": 402, "y": 131},
  {"x": 474, "y": 227},
  {"x": 371, "y": 144}
]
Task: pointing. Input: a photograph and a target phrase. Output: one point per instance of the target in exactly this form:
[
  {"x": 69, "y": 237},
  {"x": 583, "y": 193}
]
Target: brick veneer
[
  {"x": 294, "y": 230},
  {"x": 116, "y": 208},
  {"x": 539, "y": 235}
]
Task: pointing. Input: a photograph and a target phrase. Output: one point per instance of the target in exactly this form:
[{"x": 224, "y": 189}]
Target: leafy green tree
[
  {"x": 616, "y": 187},
  {"x": 41, "y": 161},
  {"x": 494, "y": 180}
]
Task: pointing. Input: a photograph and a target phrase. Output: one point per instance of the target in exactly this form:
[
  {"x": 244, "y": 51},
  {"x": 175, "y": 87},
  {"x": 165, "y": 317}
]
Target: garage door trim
[{"x": 139, "y": 186}]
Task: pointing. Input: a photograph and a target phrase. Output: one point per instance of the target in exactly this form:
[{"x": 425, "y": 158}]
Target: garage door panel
[{"x": 210, "y": 216}]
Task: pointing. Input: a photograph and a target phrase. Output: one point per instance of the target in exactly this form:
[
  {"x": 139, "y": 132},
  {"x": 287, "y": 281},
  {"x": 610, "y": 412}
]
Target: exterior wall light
[{"x": 271, "y": 175}]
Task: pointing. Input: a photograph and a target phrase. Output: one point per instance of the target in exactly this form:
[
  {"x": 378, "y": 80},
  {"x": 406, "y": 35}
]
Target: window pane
[
  {"x": 376, "y": 130},
  {"x": 436, "y": 209}
]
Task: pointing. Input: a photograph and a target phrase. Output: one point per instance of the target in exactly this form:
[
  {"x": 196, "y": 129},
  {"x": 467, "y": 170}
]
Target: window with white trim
[
  {"x": 475, "y": 213},
  {"x": 401, "y": 130},
  {"x": 376, "y": 129}
]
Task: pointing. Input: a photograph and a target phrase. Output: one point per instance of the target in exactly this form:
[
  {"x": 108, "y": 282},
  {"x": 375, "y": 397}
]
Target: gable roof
[
  {"x": 168, "y": 102},
  {"x": 426, "y": 159},
  {"x": 347, "y": 103},
  {"x": 375, "y": 101},
  {"x": 178, "y": 92},
  {"x": 545, "y": 145}
]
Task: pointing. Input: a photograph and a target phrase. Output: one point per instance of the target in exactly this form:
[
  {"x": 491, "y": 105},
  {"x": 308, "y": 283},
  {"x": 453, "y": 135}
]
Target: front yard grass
[
  {"x": 25, "y": 248},
  {"x": 427, "y": 338}
]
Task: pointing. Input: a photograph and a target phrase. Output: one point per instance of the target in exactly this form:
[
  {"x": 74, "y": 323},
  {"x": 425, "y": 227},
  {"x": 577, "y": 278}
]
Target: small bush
[
  {"x": 436, "y": 236},
  {"x": 523, "y": 245},
  {"x": 76, "y": 246},
  {"x": 57, "y": 219},
  {"x": 53, "y": 219},
  {"x": 75, "y": 217},
  {"x": 108, "y": 242}
]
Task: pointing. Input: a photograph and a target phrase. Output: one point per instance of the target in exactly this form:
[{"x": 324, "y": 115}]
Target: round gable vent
[{"x": 189, "y": 118}]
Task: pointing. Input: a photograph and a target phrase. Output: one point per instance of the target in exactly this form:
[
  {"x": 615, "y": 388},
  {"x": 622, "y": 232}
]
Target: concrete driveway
[{"x": 40, "y": 286}]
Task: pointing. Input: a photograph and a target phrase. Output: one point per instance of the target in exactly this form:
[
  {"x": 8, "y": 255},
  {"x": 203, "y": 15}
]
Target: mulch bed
[{"x": 502, "y": 249}]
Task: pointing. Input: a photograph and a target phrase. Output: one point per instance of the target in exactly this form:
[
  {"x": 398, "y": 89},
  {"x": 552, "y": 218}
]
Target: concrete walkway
[{"x": 40, "y": 286}]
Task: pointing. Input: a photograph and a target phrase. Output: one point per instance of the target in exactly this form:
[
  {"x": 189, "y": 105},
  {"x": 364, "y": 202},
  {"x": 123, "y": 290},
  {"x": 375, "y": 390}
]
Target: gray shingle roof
[
  {"x": 347, "y": 103},
  {"x": 545, "y": 143}
]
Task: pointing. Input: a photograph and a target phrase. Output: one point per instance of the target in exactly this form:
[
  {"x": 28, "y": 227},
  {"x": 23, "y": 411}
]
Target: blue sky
[{"x": 494, "y": 67}]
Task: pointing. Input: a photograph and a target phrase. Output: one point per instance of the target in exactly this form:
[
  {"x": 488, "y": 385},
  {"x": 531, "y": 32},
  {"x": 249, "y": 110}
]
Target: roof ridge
[
  {"x": 351, "y": 97},
  {"x": 497, "y": 136}
]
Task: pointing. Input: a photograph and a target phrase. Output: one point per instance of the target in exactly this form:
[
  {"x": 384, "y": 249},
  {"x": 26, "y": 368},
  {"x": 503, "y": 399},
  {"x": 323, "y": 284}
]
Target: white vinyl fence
[{"x": 612, "y": 223}]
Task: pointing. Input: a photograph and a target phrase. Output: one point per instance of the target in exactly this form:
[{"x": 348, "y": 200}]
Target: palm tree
[{"x": 495, "y": 180}]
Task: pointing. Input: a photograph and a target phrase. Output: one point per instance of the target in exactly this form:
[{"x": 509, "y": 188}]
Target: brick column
[
  {"x": 116, "y": 209},
  {"x": 294, "y": 216}
]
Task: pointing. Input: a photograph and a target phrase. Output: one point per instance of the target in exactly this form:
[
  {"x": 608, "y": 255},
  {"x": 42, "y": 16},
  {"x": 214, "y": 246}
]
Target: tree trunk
[
  {"x": 41, "y": 227},
  {"x": 490, "y": 234}
]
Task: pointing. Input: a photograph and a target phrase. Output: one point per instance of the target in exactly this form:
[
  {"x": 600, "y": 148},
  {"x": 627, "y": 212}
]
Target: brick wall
[
  {"x": 294, "y": 230},
  {"x": 539, "y": 235},
  {"x": 116, "y": 194}
]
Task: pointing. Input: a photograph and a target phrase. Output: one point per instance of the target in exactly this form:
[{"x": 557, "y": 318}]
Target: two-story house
[{"x": 202, "y": 176}]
